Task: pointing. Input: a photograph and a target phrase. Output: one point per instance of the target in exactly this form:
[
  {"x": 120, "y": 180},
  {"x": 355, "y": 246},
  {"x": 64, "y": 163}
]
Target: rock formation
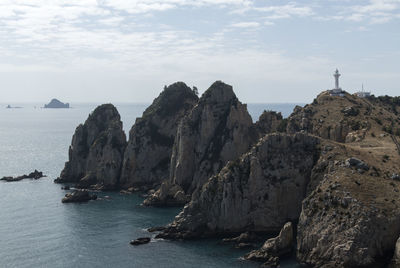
[
  {"x": 270, "y": 122},
  {"x": 33, "y": 175},
  {"x": 96, "y": 151},
  {"x": 395, "y": 263},
  {"x": 261, "y": 191},
  {"x": 148, "y": 153},
  {"x": 140, "y": 241},
  {"x": 350, "y": 217},
  {"x": 217, "y": 130},
  {"x": 78, "y": 196},
  {"x": 274, "y": 248},
  {"x": 342, "y": 119},
  {"x": 54, "y": 103}
]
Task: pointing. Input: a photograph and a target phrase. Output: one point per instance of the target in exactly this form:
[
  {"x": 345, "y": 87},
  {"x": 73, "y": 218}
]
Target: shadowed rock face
[
  {"x": 217, "y": 130},
  {"x": 258, "y": 192},
  {"x": 148, "y": 154},
  {"x": 96, "y": 151}
]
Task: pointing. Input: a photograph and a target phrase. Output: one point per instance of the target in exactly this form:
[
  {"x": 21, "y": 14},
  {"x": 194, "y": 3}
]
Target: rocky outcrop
[
  {"x": 78, "y": 196},
  {"x": 260, "y": 192},
  {"x": 54, "y": 103},
  {"x": 140, "y": 241},
  {"x": 345, "y": 119},
  {"x": 33, "y": 175},
  {"x": 96, "y": 151},
  {"x": 270, "y": 122},
  {"x": 217, "y": 130},
  {"x": 349, "y": 220},
  {"x": 148, "y": 153},
  {"x": 274, "y": 248}
]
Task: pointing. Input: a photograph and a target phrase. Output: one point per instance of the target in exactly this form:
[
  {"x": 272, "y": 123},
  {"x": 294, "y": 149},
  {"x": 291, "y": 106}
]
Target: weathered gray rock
[
  {"x": 258, "y": 192},
  {"x": 395, "y": 263},
  {"x": 78, "y": 196},
  {"x": 148, "y": 153},
  {"x": 275, "y": 247},
  {"x": 395, "y": 177},
  {"x": 357, "y": 163},
  {"x": 96, "y": 151},
  {"x": 217, "y": 130},
  {"x": 270, "y": 122},
  {"x": 335, "y": 230}
]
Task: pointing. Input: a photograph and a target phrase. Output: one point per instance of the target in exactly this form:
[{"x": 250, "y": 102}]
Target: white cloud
[
  {"x": 127, "y": 38},
  {"x": 246, "y": 24}
]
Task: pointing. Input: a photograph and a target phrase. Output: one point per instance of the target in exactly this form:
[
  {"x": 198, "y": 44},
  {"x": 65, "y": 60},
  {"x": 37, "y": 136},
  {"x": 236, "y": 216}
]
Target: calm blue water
[{"x": 37, "y": 230}]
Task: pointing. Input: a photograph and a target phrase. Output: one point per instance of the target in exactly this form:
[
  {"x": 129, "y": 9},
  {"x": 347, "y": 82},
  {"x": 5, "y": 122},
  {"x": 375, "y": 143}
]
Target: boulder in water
[
  {"x": 140, "y": 241},
  {"x": 78, "y": 196}
]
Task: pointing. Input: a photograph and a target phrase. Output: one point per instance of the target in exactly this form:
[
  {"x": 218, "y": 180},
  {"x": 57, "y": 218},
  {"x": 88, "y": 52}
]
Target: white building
[
  {"x": 337, "y": 91},
  {"x": 362, "y": 93}
]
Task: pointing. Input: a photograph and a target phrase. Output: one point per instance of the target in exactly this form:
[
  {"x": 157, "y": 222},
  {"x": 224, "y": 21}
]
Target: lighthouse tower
[{"x": 337, "y": 91}]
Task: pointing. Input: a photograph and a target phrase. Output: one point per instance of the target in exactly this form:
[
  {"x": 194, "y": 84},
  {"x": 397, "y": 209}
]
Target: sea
[{"x": 37, "y": 230}]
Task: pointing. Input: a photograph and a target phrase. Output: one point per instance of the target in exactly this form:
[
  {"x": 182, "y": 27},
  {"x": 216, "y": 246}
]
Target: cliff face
[
  {"x": 147, "y": 156},
  {"x": 351, "y": 216},
  {"x": 96, "y": 151},
  {"x": 261, "y": 191},
  {"x": 217, "y": 130}
]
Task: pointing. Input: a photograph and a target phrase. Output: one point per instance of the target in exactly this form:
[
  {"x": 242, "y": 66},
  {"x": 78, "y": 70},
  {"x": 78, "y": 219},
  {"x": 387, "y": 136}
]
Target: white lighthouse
[{"x": 337, "y": 91}]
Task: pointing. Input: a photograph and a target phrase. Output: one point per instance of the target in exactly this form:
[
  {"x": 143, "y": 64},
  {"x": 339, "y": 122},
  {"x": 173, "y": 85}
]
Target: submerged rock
[
  {"x": 217, "y": 130},
  {"x": 78, "y": 196},
  {"x": 148, "y": 153},
  {"x": 140, "y": 241},
  {"x": 96, "y": 151},
  {"x": 258, "y": 192}
]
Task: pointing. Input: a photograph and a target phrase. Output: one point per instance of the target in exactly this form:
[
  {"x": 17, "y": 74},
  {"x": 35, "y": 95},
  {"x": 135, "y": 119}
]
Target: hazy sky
[{"x": 127, "y": 50}]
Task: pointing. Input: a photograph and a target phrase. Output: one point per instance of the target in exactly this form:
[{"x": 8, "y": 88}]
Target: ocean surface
[{"x": 37, "y": 230}]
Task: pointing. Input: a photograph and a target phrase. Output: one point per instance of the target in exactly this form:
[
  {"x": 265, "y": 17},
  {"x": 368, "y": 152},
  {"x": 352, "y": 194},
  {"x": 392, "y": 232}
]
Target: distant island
[
  {"x": 11, "y": 107},
  {"x": 54, "y": 103}
]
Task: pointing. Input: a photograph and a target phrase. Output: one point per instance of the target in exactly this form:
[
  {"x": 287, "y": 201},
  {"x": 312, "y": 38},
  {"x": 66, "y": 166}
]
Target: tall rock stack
[
  {"x": 96, "y": 151},
  {"x": 217, "y": 130},
  {"x": 258, "y": 192},
  {"x": 148, "y": 154}
]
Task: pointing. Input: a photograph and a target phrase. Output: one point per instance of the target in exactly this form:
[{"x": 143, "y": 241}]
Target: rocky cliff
[
  {"x": 351, "y": 217},
  {"x": 148, "y": 154},
  {"x": 217, "y": 130},
  {"x": 261, "y": 191},
  {"x": 344, "y": 119},
  {"x": 96, "y": 151}
]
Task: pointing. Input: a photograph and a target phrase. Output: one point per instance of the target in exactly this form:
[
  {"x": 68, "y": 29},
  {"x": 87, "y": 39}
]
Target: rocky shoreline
[{"x": 323, "y": 179}]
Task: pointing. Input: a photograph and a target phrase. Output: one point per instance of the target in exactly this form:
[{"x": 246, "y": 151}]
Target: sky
[{"x": 127, "y": 50}]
